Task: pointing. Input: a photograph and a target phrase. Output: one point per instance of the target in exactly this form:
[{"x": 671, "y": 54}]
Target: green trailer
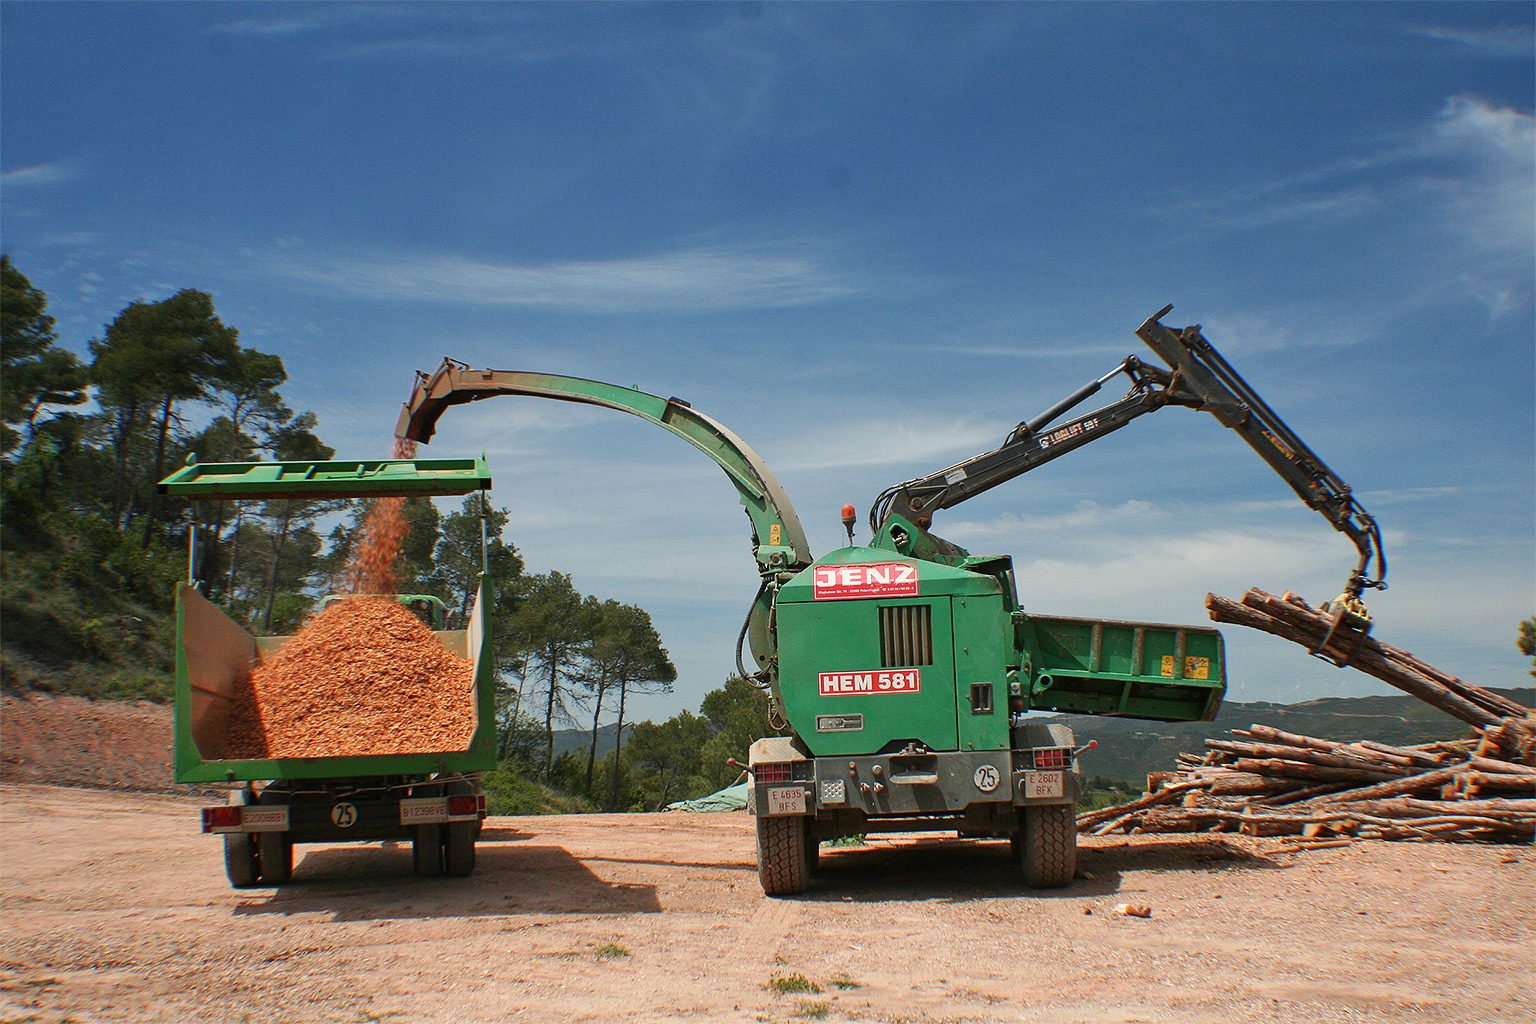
[{"x": 431, "y": 799}]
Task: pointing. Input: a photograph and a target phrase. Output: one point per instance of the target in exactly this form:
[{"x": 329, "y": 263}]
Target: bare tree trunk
[
  {"x": 618, "y": 742},
  {"x": 592, "y": 754},
  {"x": 165, "y": 427},
  {"x": 277, "y": 556}
]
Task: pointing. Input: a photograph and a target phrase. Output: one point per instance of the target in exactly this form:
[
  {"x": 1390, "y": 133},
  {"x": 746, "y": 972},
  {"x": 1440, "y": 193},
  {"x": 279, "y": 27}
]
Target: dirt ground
[{"x": 115, "y": 908}]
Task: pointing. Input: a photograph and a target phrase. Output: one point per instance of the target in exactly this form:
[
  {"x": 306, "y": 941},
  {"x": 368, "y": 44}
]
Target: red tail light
[
  {"x": 458, "y": 805},
  {"x": 771, "y": 772},
  {"x": 1052, "y": 758},
  {"x": 221, "y": 817}
]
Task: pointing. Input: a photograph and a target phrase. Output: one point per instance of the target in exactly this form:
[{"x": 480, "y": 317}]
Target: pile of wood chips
[
  {"x": 1326, "y": 793},
  {"x": 365, "y": 676}
]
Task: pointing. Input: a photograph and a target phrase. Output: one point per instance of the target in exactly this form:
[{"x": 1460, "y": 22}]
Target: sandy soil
[
  {"x": 72, "y": 741},
  {"x": 116, "y": 908}
]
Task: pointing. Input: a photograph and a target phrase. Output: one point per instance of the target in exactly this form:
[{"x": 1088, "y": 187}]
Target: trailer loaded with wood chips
[{"x": 368, "y": 725}]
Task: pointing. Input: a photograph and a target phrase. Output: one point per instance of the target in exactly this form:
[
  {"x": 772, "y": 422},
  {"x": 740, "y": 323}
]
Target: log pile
[{"x": 1263, "y": 781}]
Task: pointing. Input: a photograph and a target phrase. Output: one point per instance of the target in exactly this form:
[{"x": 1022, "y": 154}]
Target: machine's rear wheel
[
  {"x": 812, "y": 850},
  {"x": 781, "y": 855},
  {"x": 1048, "y": 846},
  {"x": 427, "y": 850},
  {"x": 275, "y": 853}
]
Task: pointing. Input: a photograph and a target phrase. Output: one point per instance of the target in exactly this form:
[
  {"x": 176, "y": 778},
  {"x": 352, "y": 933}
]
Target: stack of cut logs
[{"x": 1267, "y": 782}]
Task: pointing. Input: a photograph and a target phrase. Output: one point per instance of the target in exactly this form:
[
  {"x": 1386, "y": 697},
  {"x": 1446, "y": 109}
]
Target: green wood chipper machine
[{"x": 904, "y": 679}]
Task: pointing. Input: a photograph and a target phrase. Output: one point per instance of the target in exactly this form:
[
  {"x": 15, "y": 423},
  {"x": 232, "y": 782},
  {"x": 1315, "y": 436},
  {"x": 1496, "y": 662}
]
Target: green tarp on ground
[{"x": 732, "y": 798}]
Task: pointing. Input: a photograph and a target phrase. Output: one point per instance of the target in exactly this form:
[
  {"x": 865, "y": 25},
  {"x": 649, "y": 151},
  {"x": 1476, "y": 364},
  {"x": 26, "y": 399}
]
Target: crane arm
[
  {"x": 780, "y": 543},
  {"x": 1196, "y": 377}
]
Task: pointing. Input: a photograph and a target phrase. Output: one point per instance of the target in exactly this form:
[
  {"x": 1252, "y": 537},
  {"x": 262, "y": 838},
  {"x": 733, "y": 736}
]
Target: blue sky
[{"x": 870, "y": 238}]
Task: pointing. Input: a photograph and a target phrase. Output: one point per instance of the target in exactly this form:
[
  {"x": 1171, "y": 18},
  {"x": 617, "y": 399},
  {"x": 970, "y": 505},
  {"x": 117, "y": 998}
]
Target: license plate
[
  {"x": 786, "y": 800},
  {"x": 1041, "y": 784}
]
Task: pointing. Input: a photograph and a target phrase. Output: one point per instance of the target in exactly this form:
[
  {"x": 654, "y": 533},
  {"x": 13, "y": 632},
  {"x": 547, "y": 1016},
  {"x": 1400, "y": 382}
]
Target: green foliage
[
  {"x": 668, "y": 758},
  {"x": 610, "y": 951},
  {"x": 1526, "y": 642},
  {"x": 785, "y": 984},
  {"x": 79, "y": 512},
  {"x": 1099, "y": 791},
  {"x": 738, "y": 715},
  {"x": 510, "y": 789},
  {"x": 33, "y": 372}
]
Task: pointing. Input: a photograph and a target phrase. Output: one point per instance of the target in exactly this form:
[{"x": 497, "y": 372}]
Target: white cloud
[
  {"x": 687, "y": 280},
  {"x": 881, "y": 441},
  {"x": 273, "y": 27},
  {"x": 40, "y": 174},
  {"x": 1505, "y": 41}
]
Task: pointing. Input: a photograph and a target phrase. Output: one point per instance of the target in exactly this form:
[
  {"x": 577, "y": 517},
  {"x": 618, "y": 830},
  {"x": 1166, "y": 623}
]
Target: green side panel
[
  {"x": 842, "y": 638},
  {"x": 270, "y": 481},
  {"x": 981, "y": 656},
  {"x": 1128, "y": 669},
  {"x": 214, "y": 655},
  {"x": 827, "y": 623}
]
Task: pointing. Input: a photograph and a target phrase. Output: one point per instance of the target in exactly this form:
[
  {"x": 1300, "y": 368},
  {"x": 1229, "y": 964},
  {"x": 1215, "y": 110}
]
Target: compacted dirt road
[{"x": 116, "y": 908}]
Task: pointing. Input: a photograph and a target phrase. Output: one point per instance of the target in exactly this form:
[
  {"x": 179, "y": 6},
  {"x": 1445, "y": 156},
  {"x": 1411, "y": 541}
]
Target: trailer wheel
[
  {"x": 781, "y": 855},
  {"x": 427, "y": 850},
  {"x": 240, "y": 860},
  {"x": 1048, "y": 846},
  {"x": 240, "y": 854},
  {"x": 459, "y": 848},
  {"x": 275, "y": 855}
]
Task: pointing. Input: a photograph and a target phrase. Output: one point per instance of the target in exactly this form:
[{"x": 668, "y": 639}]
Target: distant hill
[{"x": 1130, "y": 748}]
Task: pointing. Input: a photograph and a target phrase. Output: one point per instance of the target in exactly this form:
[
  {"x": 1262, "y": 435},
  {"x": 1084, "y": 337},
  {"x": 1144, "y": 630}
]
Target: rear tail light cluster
[
  {"x": 221, "y": 817},
  {"x": 771, "y": 772},
  {"x": 463, "y": 805},
  {"x": 1053, "y": 758}
]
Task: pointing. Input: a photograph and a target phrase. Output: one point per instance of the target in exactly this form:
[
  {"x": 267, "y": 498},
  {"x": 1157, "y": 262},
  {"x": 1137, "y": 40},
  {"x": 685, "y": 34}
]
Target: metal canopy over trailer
[{"x": 432, "y": 799}]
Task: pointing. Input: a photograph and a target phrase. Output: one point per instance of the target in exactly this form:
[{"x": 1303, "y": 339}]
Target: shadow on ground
[
  {"x": 956, "y": 871},
  {"x": 376, "y": 882}
]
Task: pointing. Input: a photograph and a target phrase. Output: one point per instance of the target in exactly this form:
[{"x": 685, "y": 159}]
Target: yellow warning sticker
[
  {"x": 1194, "y": 668},
  {"x": 775, "y": 533}
]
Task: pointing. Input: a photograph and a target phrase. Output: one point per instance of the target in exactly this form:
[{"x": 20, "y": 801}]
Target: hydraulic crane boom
[{"x": 1197, "y": 377}]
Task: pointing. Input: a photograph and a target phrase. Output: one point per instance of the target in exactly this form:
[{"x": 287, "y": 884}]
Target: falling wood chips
[{"x": 365, "y": 676}]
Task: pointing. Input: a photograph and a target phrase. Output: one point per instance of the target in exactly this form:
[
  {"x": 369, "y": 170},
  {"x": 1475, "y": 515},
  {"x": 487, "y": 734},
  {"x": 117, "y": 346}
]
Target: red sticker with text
[
  {"x": 899, "y": 680},
  {"x": 878, "y": 579}
]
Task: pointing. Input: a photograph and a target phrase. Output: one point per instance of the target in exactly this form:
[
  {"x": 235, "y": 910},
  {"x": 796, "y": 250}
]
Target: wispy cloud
[
  {"x": 880, "y": 441},
  {"x": 684, "y": 281},
  {"x": 1509, "y": 41},
  {"x": 40, "y": 174},
  {"x": 269, "y": 27}
]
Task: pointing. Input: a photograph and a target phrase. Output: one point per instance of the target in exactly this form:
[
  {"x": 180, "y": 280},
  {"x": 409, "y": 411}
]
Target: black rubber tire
[
  {"x": 459, "y": 848},
  {"x": 427, "y": 850},
  {"x": 812, "y": 850},
  {"x": 240, "y": 860},
  {"x": 781, "y": 855},
  {"x": 274, "y": 853},
  {"x": 1048, "y": 846}
]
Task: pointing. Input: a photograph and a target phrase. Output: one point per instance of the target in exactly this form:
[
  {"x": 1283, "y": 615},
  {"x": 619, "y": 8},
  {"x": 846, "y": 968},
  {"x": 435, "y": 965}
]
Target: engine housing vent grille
[{"x": 906, "y": 635}]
